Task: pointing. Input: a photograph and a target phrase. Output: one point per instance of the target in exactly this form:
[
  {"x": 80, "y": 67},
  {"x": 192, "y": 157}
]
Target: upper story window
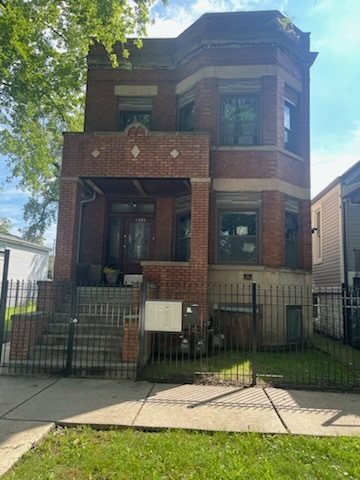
[
  {"x": 238, "y": 237},
  {"x": 187, "y": 118},
  {"x": 290, "y": 127},
  {"x": 239, "y": 120},
  {"x": 126, "y": 118},
  {"x": 134, "y": 109}
]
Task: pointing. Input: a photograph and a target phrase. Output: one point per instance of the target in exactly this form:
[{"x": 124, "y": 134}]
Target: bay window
[{"x": 238, "y": 237}]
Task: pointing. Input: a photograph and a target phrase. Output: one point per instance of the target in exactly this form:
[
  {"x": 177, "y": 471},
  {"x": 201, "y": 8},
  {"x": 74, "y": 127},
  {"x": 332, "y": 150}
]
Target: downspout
[{"x": 82, "y": 203}]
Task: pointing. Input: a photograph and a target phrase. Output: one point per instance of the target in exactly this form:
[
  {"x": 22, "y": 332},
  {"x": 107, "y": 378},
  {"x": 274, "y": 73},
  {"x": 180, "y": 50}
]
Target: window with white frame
[{"x": 290, "y": 127}]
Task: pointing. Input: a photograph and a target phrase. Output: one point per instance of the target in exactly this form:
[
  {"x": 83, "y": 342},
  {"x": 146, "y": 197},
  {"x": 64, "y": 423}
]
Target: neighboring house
[
  {"x": 27, "y": 262},
  {"x": 194, "y": 161},
  {"x": 336, "y": 232},
  {"x": 336, "y": 252}
]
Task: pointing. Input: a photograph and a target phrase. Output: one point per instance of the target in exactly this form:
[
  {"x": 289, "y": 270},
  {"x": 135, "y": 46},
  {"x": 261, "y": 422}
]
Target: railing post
[
  {"x": 71, "y": 331},
  {"x": 141, "y": 338},
  {"x": 254, "y": 333},
  {"x": 3, "y": 298}
]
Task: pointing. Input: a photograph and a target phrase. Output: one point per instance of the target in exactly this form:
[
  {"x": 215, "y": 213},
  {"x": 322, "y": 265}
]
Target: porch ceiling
[{"x": 145, "y": 187}]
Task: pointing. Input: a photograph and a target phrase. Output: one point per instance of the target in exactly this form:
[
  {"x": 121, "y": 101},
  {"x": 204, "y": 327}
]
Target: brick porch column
[
  {"x": 199, "y": 244},
  {"x": 68, "y": 225},
  {"x": 273, "y": 229}
]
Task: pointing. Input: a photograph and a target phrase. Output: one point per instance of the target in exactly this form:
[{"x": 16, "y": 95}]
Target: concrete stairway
[{"x": 97, "y": 333}]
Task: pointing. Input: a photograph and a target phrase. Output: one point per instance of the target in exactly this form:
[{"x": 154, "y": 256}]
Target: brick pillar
[
  {"x": 273, "y": 111},
  {"x": 273, "y": 229},
  {"x": 164, "y": 228},
  {"x": 199, "y": 245},
  {"x": 68, "y": 225}
]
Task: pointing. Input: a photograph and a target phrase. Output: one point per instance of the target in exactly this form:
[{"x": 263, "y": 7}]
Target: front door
[
  {"x": 137, "y": 243},
  {"x": 130, "y": 240}
]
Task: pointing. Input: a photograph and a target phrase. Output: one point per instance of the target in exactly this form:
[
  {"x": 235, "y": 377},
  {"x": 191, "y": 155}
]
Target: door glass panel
[
  {"x": 113, "y": 239},
  {"x": 132, "y": 207},
  {"x": 139, "y": 241}
]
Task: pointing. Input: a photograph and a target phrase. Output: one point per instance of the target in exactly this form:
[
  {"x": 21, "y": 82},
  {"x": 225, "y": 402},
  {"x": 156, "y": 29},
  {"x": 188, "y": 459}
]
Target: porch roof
[{"x": 144, "y": 187}]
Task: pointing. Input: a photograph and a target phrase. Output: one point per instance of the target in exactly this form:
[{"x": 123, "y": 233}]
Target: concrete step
[
  {"x": 84, "y": 328},
  {"x": 90, "y": 340},
  {"x": 83, "y": 354},
  {"x": 96, "y": 318}
]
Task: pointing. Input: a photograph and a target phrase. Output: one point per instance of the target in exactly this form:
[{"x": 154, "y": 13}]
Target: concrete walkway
[{"x": 31, "y": 406}]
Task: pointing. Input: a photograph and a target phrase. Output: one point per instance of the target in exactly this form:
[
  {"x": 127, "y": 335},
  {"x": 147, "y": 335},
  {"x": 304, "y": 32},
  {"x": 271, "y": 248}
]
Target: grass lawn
[
  {"x": 82, "y": 453},
  {"x": 309, "y": 367}
]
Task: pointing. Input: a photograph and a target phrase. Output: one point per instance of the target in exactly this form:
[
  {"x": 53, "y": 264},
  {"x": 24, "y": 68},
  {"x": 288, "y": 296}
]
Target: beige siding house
[
  {"x": 336, "y": 232},
  {"x": 335, "y": 215}
]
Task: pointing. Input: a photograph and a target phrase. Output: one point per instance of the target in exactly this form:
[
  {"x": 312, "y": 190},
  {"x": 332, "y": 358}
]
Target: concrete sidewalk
[{"x": 31, "y": 406}]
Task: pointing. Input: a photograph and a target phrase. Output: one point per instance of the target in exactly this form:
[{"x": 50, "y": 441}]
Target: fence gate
[{"x": 68, "y": 329}]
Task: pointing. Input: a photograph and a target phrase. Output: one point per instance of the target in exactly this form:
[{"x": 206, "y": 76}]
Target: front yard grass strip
[
  {"x": 83, "y": 453},
  {"x": 308, "y": 368}
]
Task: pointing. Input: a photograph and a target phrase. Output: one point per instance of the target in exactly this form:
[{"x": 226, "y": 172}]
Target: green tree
[
  {"x": 43, "y": 48},
  {"x": 5, "y": 225}
]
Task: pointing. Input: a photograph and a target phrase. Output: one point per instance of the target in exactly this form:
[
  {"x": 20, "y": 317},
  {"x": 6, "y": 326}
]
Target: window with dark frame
[
  {"x": 127, "y": 118},
  {"x": 291, "y": 238},
  {"x": 290, "y": 127},
  {"x": 183, "y": 235},
  {"x": 187, "y": 118},
  {"x": 238, "y": 237},
  {"x": 239, "y": 120}
]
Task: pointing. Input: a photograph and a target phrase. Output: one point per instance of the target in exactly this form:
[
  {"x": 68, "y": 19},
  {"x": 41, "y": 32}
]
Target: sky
[{"x": 335, "y": 82}]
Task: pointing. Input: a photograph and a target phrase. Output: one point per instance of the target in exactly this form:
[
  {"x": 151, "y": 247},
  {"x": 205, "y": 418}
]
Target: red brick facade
[{"x": 264, "y": 61}]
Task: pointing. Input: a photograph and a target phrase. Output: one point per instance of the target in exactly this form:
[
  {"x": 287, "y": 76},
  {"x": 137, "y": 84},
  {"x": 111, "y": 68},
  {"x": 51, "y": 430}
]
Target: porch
[{"x": 132, "y": 197}]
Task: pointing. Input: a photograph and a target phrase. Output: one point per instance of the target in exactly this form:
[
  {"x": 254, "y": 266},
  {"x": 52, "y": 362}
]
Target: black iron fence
[
  {"x": 242, "y": 334},
  {"x": 68, "y": 329},
  {"x": 248, "y": 334}
]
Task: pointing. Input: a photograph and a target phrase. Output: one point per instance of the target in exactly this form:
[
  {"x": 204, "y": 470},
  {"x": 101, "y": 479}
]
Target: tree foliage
[
  {"x": 5, "y": 225},
  {"x": 43, "y": 48}
]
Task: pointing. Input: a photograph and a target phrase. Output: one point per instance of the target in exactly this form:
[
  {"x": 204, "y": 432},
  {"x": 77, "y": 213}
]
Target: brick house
[{"x": 194, "y": 162}]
